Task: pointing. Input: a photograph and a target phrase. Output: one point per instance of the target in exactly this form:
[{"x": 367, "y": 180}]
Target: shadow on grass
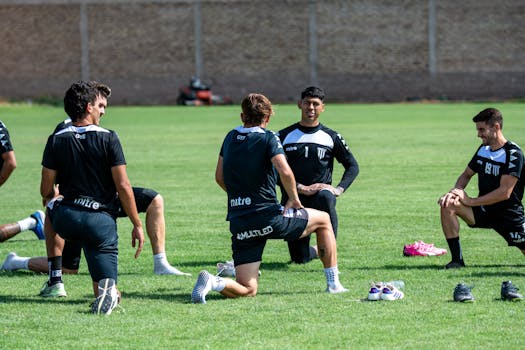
[
  {"x": 183, "y": 295},
  {"x": 38, "y": 300},
  {"x": 264, "y": 265},
  {"x": 167, "y": 294},
  {"x": 475, "y": 269}
]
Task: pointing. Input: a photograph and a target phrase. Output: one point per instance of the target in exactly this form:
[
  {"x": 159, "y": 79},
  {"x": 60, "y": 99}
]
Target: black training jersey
[
  {"x": 249, "y": 174},
  {"x": 83, "y": 158},
  {"x": 5, "y": 142},
  {"x": 310, "y": 151},
  {"x": 491, "y": 165}
]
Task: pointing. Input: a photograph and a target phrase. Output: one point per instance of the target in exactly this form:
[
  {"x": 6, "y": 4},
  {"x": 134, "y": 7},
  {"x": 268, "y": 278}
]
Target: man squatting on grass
[
  {"x": 250, "y": 160},
  {"x": 499, "y": 164},
  {"x": 86, "y": 161},
  {"x": 310, "y": 149}
]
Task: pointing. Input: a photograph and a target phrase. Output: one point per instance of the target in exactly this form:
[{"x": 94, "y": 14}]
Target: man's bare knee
[{"x": 157, "y": 203}]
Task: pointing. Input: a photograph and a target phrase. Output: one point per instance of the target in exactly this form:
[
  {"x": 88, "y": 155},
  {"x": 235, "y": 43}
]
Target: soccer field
[{"x": 409, "y": 154}]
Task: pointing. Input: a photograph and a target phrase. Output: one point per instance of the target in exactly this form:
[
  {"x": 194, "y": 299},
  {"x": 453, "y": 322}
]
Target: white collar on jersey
[
  {"x": 244, "y": 130},
  {"x": 81, "y": 129}
]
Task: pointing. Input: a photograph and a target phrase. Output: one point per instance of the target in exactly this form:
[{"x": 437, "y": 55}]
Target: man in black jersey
[
  {"x": 250, "y": 160},
  {"x": 86, "y": 161},
  {"x": 499, "y": 164},
  {"x": 310, "y": 149},
  {"x": 147, "y": 201},
  {"x": 34, "y": 222}
]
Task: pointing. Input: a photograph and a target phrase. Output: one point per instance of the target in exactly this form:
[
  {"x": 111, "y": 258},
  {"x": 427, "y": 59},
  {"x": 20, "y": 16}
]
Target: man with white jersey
[{"x": 310, "y": 149}]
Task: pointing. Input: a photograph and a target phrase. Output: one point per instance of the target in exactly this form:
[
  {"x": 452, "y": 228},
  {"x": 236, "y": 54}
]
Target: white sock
[
  {"x": 19, "y": 263},
  {"x": 332, "y": 275},
  {"x": 27, "y": 224},
  {"x": 160, "y": 259},
  {"x": 218, "y": 284}
]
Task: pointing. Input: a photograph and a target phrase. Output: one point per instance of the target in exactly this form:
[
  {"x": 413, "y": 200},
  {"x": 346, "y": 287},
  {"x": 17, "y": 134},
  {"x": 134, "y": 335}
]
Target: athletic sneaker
[
  {"x": 202, "y": 287},
  {"x": 463, "y": 293},
  {"x": 390, "y": 292},
  {"x": 335, "y": 288},
  {"x": 376, "y": 288},
  {"x": 54, "y": 291},
  {"x": 107, "y": 298},
  {"x": 510, "y": 292},
  {"x": 420, "y": 248},
  {"x": 226, "y": 269},
  {"x": 39, "y": 216},
  {"x": 455, "y": 265}
]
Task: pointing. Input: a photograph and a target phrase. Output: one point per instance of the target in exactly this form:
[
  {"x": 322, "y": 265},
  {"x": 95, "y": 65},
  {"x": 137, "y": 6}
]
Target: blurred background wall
[{"x": 358, "y": 50}]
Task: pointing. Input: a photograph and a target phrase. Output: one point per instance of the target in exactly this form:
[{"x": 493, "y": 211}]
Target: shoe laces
[
  {"x": 463, "y": 288},
  {"x": 509, "y": 287},
  {"x": 376, "y": 285}
]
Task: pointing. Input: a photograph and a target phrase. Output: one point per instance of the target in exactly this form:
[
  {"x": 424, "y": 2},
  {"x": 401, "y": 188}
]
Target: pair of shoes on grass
[
  {"x": 509, "y": 292},
  {"x": 384, "y": 291}
]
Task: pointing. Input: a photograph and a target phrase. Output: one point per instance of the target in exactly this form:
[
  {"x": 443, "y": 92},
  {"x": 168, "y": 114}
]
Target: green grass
[{"x": 409, "y": 154}]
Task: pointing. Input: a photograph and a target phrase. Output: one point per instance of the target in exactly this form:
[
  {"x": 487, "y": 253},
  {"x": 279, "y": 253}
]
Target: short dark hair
[
  {"x": 490, "y": 116},
  {"x": 80, "y": 94},
  {"x": 313, "y": 91},
  {"x": 255, "y": 107}
]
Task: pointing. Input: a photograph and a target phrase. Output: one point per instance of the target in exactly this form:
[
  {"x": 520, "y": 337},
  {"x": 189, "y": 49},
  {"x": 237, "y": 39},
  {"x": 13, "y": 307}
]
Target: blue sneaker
[{"x": 39, "y": 216}]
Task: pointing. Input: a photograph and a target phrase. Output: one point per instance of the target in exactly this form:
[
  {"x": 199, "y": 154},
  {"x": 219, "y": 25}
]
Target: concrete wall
[{"x": 358, "y": 50}]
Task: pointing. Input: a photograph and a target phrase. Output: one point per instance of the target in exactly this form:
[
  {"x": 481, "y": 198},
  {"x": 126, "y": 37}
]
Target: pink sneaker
[{"x": 421, "y": 248}]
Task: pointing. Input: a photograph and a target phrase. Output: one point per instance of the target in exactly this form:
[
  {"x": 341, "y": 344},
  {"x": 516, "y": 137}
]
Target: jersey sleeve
[
  {"x": 5, "y": 141},
  {"x": 47, "y": 159},
  {"x": 473, "y": 164},
  {"x": 116, "y": 155},
  {"x": 515, "y": 162},
  {"x": 226, "y": 138},
  {"x": 344, "y": 156},
  {"x": 274, "y": 145}
]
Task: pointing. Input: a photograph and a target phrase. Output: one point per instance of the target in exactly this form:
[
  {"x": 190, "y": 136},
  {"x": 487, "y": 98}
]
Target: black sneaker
[
  {"x": 463, "y": 294},
  {"x": 455, "y": 265},
  {"x": 510, "y": 292}
]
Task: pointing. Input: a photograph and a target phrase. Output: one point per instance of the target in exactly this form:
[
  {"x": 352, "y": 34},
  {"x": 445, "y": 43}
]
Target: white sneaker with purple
[{"x": 390, "y": 292}]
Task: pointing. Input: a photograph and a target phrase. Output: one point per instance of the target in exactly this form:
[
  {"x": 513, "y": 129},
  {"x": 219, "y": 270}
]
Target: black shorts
[
  {"x": 96, "y": 232},
  {"x": 143, "y": 198},
  {"x": 250, "y": 232},
  {"x": 73, "y": 249},
  {"x": 507, "y": 224}
]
